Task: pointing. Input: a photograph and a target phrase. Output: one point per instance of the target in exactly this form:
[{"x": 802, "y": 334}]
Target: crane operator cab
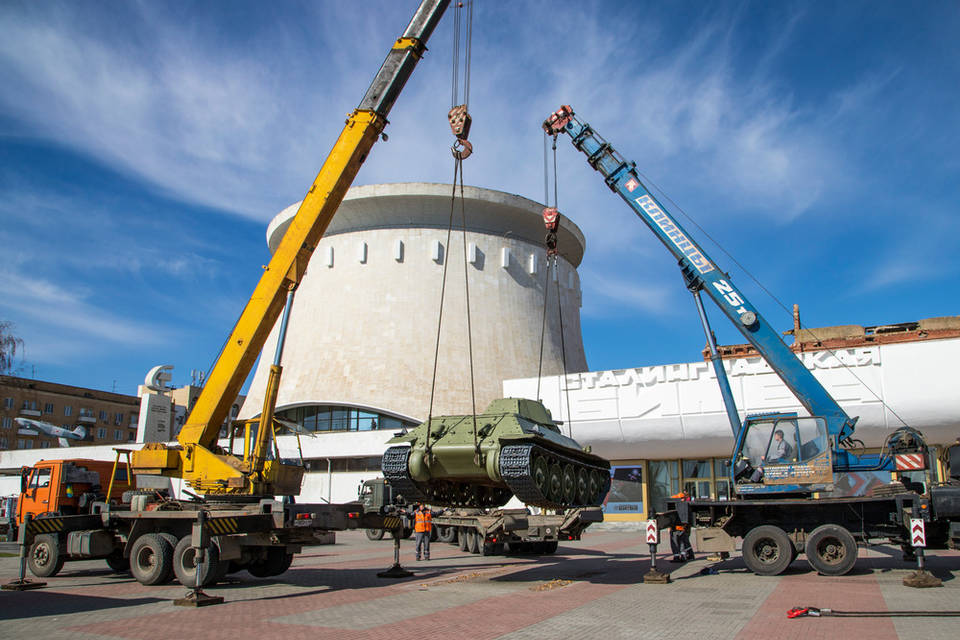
[{"x": 782, "y": 453}]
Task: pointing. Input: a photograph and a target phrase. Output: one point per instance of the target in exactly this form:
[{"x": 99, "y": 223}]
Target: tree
[{"x": 9, "y": 344}]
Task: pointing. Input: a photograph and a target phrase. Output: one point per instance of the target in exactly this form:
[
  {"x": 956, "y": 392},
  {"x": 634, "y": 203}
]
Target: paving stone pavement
[{"x": 588, "y": 589}]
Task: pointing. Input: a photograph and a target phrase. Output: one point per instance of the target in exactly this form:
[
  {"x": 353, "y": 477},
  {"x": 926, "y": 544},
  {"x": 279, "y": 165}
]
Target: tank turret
[{"x": 512, "y": 448}]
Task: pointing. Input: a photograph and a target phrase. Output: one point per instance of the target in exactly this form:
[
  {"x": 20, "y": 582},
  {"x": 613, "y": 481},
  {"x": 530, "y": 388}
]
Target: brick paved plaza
[{"x": 589, "y": 589}]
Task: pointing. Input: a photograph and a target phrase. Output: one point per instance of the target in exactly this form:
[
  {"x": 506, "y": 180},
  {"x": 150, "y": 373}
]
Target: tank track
[
  {"x": 395, "y": 470},
  {"x": 516, "y": 469}
]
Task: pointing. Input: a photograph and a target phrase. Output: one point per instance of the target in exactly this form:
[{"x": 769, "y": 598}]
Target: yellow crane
[{"x": 197, "y": 458}]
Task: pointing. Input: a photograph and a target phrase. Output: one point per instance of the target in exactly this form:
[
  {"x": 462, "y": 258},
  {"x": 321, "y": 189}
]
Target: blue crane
[{"x": 775, "y": 453}]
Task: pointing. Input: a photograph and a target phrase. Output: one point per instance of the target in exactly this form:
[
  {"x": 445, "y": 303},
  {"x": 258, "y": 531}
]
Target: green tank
[{"x": 517, "y": 450}]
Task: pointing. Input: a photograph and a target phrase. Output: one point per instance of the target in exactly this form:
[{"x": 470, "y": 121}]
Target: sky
[{"x": 144, "y": 147}]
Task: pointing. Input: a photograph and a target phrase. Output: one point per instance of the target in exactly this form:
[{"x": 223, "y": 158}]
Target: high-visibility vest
[
  {"x": 422, "y": 521},
  {"x": 683, "y": 495}
]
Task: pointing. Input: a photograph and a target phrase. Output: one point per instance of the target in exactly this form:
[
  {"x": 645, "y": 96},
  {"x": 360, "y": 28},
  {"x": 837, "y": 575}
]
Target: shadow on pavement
[{"x": 38, "y": 603}]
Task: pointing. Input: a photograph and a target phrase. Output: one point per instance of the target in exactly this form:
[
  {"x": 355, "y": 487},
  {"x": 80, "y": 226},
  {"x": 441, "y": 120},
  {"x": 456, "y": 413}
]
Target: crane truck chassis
[{"x": 486, "y": 531}]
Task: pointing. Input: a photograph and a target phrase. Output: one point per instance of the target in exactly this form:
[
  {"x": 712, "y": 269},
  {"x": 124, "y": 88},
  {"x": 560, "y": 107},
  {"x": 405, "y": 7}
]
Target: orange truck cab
[{"x": 67, "y": 487}]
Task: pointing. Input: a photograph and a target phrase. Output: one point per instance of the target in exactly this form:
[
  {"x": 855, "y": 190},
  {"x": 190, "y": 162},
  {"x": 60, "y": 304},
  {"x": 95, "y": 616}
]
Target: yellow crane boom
[{"x": 197, "y": 459}]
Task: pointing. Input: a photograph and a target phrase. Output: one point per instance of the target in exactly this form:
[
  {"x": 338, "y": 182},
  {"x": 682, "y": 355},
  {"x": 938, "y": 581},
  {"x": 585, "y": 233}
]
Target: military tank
[{"x": 517, "y": 450}]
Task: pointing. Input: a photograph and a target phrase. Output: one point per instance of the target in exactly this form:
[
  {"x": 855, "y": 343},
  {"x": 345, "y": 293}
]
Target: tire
[
  {"x": 446, "y": 534},
  {"x": 117, "y": 563},
  {"x": 474, "y": 541},
  {"x": 44, "y": 557},
  {"x": 549, "y": 546},
  {"x": 406, "y": 533},
  {"x": 375, "y": 534},
  {"x": 189, "y": 572},
  {"x": 463, "y": 539},
  {"x": 767, "y": 551},
  {"x": 276, "y": 562},
  {"x": 831, "y": 550},
  {"x": 151, "y": 559}
]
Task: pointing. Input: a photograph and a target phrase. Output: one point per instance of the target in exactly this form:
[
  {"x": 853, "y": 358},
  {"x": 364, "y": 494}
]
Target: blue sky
[{"x": 144, "y": 146}]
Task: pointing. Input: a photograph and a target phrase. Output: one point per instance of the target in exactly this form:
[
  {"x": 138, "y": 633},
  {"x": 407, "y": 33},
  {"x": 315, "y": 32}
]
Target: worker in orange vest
[
  {"x": 421, "y": 527},
  {"x": 680, "y": 536}
]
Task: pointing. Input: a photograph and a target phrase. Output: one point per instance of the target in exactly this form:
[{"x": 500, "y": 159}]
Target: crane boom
[
  {"x": 287, "y": 266},
  {"x": 700, "y": 272}
]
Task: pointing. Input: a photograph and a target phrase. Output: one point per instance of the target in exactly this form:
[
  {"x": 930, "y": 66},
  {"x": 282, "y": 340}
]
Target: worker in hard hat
[{"x": 680, "y": 536}]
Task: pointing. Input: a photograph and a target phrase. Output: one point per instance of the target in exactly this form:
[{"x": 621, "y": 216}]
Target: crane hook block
[
  {"x": 558, "y": 120},
  {"x": 551, "y": 220},
  {"x": 460, "y": 121}
]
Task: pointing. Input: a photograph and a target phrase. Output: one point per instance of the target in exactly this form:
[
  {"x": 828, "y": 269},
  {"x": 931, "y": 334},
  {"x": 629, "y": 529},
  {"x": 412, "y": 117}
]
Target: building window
[
  {"x": 30, "y": 405},
  {"x": 117, "y": 434},
  {"x": 118, "y": 419},
  {"x": 7, "y": 422},
  {"x": 131, "y": 436},
  {"x": 67, "y": 410},
  {"x": 312, "y": 418},
  {"x": 103, "y": 415},
  {"x": 8, "y": 403},
  {"x": 101, "y": 433},
  {"x": 4, "y": 443},
  {"x": 664, "y": 481},
  {"x": 44, "y": 444},
  {"x": 24, "y": 444},
  {"x": 48, "y": 407},
  {"x": 86, "y": 412}
]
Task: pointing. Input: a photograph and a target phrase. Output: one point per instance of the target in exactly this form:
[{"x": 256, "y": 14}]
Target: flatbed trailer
[{"x": 492, "y": 532}]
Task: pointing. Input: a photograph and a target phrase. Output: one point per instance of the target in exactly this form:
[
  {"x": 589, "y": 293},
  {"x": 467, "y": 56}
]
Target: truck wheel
[
  {"x": 190, "y": 572},
  {"x": 45, "y": 559},
  {"x": 446, "y": 534},
  {"x": 767, "y": 550},
  {"x": 375, "y": 534},
  {"x": 276, "y": 562},
  {"x": 831, "y": 550},
  {"x": 463, "y": 539},
  {"x": 117, "y": 563},
  {"x": 151, "y": 559},
  {"x": 473, "y": 541}
]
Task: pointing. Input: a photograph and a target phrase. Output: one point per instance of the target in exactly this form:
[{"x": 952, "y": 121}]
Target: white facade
[{"x": 676, "y": 411}]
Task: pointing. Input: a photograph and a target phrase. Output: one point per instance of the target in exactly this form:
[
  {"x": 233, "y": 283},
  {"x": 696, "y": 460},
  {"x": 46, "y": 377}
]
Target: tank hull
[{"x": 513, "y": 448}]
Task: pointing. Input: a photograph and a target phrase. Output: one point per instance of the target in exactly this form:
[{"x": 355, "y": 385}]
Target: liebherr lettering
[{"x": 677, "y": 237}]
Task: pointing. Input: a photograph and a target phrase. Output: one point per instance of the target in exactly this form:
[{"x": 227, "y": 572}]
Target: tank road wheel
[
  {"x": 446, "y": 534},
  {"x": 831, "y": 550},
  {"x": 555, "y": 483},
  {"x": 463, "y": 539},
  {"x": 44, "y": 557},
  {"x": 767, "y": 550},
  {"x": 191, "y": 572},
  {"x": 569, "y": 484},
  {"x": 151, "y": 559},
  {"x": 594, "y": 487},
  {"x": 583, "y": 486},
  {"x": 374, "y": 534},
  {"x": 541, "y": 472}
]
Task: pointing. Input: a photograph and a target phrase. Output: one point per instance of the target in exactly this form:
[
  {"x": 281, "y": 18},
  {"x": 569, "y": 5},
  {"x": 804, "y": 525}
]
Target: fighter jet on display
[{"x": 31, "y": 427}]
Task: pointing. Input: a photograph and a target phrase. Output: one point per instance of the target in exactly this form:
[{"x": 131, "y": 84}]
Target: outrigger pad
[
  {"x": 656, "y": 577},
  {"x": 197, "y": 599},
  {"x": 922, "y": 580},
  {"x": 396, "y": 571},
  {"x": 22, "y": 585}
]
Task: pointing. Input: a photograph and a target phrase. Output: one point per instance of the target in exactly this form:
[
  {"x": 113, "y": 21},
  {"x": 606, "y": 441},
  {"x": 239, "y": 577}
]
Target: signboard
[
  {"x": 653, "y": 533},
  {"x": 626, "y": 490},
  {"x": 918, "y": 536}
]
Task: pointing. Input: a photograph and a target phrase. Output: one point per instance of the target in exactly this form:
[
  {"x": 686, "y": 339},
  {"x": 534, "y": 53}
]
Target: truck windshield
[{"x": 40, "y": 478}]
